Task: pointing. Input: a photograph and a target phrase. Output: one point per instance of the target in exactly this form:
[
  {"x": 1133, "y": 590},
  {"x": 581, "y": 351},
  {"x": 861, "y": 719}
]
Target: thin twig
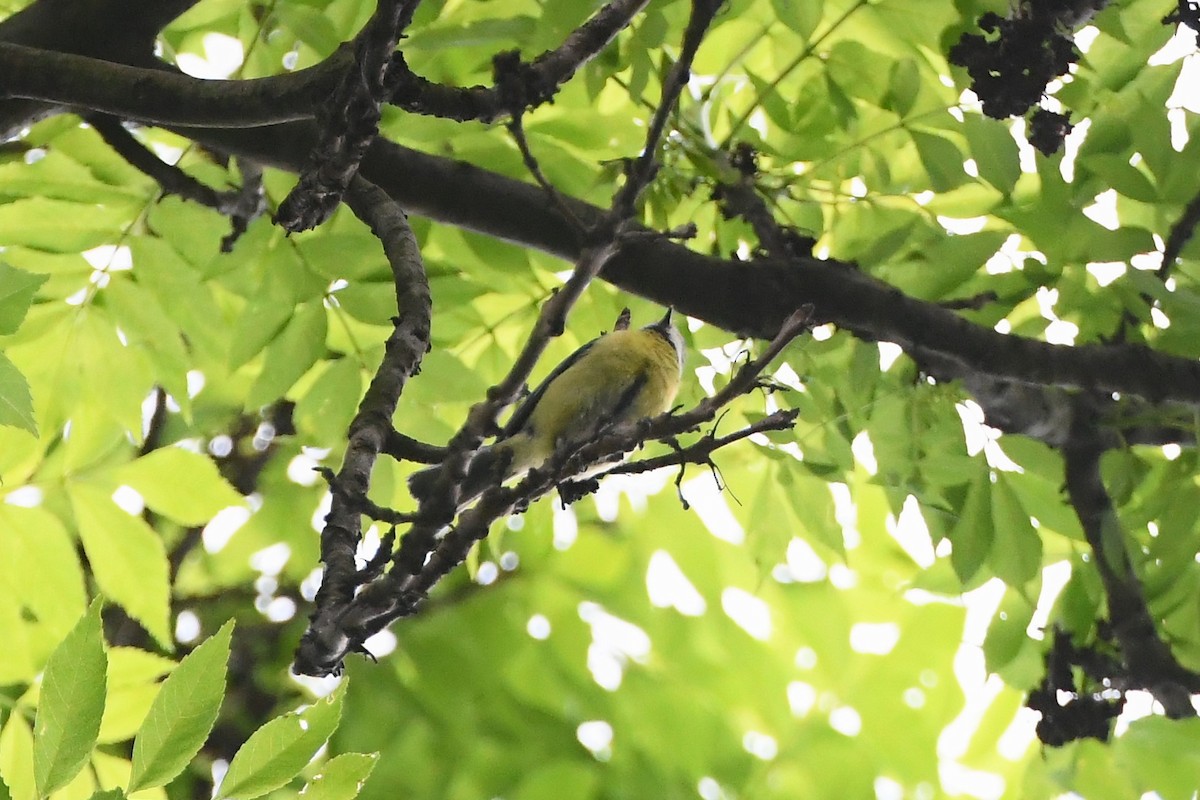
[
  {"x": 642, "y": 170},
  {"x": 406, "y": 448},
  {"x": 517, "y": 129},
  {"x": 801, "y": 57},
  {"x": 242, "y": 206},
  {"x": 248, "y": 204},
  {"x": 170, "y": 178},
  {"x": 1181, "y": 233},
  {"x": 700, "y": 451},
  {"x": 538, "y": 81}
]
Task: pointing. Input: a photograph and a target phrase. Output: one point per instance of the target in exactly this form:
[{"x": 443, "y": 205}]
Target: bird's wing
[
  {"x": 627, "y": 398},
  {"x": 521, "y": 415}
]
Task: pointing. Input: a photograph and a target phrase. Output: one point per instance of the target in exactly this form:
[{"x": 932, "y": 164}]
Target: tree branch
[
  {"x": 701, "y": 451},
  {"x": 404, "y": 587},
  {"x": 159, "y": 96},
  {"x": 641, "y": 171},
  {"x": 241, "y": 205},
  {"x": 369, "y": 430},
  {"x": 474, "y": 523},
  {"x": 38, "y": 65},
  {"x": 439, "y": 507},
  {"x": 539, "y": 81},
  {"x": 750, "y": 299},
  {"x": 399, "y": 446},
  {"x": 1149, "y": 660},
  {"x": 604, "y": 239},
  {"x": 1181, "y": 233},
  {"x": 349, "y": 120}
]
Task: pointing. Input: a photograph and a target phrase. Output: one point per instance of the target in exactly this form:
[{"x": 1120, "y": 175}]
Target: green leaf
[
  {"x": 59, "y": 226},
  {"x": 16, "y": 756},
  {"x": 1007, "y": 634},
  {"x": 70, "y": 705},
  {"x": 134, "y": 680},
  {"x": 811, "y": 502},
  {"x": 112, "y": 376},
  {"x": 1119, "y": 174},
  {"x": 1016, "y": 554},
  {"x": 942, "y": 160},
  {"x": 329, "y": 405},
  {"x": 180, "y": 484},
  {"x": 1164, "y": 754},
  {"x": 296, "y": 349},
  {"x": 108, "y": 794},
  {"x": 486, "y": 32},
  {"x": 801, "y": 16},
  {"x": 187, "y": 301},
  {"x": 349, "y": 255},
  {"x": 261, "y": 321},
  {"x": 971, "y": 536},
  {"x": 16, "y": 403},
  {"x": 994, "y": 150},
  {"x": 444, "y": 379},
  {"x": 148, "y": 327},
  {"x": 182, "y": 715},
  {"x": 560, "y": 779},
  {"x": 276, "y": 752},
  {"x": 904, "y": 85},
  {"x": 341, "y": 778},
  {"x": 17, "y": 288},
  {"x": 313, "y": 27},
  {"x": 44, "y": 574},
  {"x": 17, "y": 666},
  {"x": 373, "y": 302},
  {"x": 127, "y": 558}
]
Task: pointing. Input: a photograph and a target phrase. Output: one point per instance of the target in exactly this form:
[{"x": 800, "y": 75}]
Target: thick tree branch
[
  {"x": 47, "y": 62},
  {"x": 159, "y": 96},
  {"x": 1046, "y": 413},
  {"x": 94, "y": 27},
  {"x": 749, "y": 298},
  {"x": 1149, "y": 660}
]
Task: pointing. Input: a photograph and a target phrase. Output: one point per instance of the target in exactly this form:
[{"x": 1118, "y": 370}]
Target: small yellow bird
[{"x": 622, "y": 376}]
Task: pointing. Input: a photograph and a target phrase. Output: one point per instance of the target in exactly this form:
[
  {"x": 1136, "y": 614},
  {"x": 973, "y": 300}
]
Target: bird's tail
[{"x": 485, "y": 471}]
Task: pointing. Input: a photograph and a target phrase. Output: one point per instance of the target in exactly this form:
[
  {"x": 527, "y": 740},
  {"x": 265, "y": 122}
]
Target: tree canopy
[{"x": 923, "y": 523}]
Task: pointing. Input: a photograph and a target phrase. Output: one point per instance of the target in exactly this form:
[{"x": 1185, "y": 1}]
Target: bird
[{"x": 621, "y": 376}]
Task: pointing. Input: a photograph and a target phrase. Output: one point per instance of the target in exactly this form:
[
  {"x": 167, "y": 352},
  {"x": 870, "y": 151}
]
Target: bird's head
[{"x": 665, "y": 328}]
